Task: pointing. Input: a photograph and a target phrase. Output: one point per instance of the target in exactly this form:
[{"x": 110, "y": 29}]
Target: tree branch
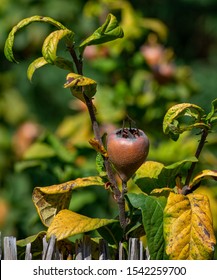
[
  {"x": 204, "y": 135},
  {"x": 119, "y": 196}
]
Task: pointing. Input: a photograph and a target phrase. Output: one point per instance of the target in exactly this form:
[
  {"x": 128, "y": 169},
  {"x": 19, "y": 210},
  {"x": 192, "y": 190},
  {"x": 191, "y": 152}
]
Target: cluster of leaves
[
  {"x": 176, "y": 223},
  {"x": 135, "y": 91}
]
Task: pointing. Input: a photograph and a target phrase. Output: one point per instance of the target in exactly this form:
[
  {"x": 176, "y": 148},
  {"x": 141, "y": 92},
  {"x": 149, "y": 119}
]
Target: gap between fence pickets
[{"x": 82, "y": 250}]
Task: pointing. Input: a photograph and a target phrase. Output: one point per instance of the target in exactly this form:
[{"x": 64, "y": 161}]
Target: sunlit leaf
[
  {"x": 51, "y": 199},
  {"x": 205, "y": 174},
  {"x": 58, "y": 146},
  {"x": 212, "y": 117},
  {"x": 110, "y": 30},
  {"x": 100, "y": 165},
  {"x": 173, "y": 127},
  {"x": 39, "y": 150},
  {"x": 8, "y": 49},
  {"x": 36, "y": 242},
  {"x": 98, "y": 147},
  {"x": 20, "y": 166},
  {"x": 146, "y": 177},
  {"x": 80, "y": 85},
  {"x": 67, "y": 223},
  {"x": 50, "y": 44},
  {"x": 152, "y": 175},
  {"x": 213, "y": 110},
  {"x": 37, "y": 63},
  {"x": 39, "y": 236},
  {"x": 188, "y": 229}
]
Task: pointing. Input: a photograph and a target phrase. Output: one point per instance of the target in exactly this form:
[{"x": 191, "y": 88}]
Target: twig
[
  {"x": 204, "y": 135},
  {"x": 119, "y": 196}
]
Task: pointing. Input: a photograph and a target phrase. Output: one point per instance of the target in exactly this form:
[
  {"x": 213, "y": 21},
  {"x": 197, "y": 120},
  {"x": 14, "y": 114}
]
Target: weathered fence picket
[
  {"x": 82, "y": 250},
  {"x": 10, "y": 248}
]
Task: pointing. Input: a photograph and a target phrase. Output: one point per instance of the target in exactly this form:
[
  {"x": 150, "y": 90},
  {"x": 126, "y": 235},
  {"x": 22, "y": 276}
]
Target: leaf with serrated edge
[
  {"x": 51, "y": 199},
  {"x": 68, "y": 223},
  {"x": 50, "y": 44},
  {"x": 37, "y": 63},
  {"x": 188, "y": 229},
  {"x": 8, "y": 49}
]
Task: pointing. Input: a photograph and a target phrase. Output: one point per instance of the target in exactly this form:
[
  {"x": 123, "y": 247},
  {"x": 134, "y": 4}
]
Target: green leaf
[
  {"x": 37, "y": 237},
  {"x": 67, "y": 223},
  {"x": 112, "y": 233},
  {"x": 36, "y": 242},
  {"x": 152, "y": 217},
  {"x": 64, "y": 63},
  {"x": 50, "y": 200},
  {"x": 152, "y": 213},
  {"x": 8, "y": 49},
  {"x": 188, "y": 229},
  {"x": 50, "y": 44},
  {"x": 211, "y": 117},
  {"x": 109, "y": 31},
  {"x": 213, "y": 110},
  {"x": 213, "y": 121},
  {"x": 152, "y": 175},
  {"x": 38, "y": 151},
  {"x": 20, "y": 166},
  {"x": 137, "y": 200},
  {"x": 100, "y": 165},
  {"x": 60, "y": 149},
  {"x": 173, "y": 127},
  {"x": 37, "y": 63}
]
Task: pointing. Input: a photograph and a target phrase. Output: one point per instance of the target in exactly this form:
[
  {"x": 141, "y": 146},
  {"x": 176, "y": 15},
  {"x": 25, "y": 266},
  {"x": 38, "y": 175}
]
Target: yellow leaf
[
  {"x": 98, "y": 147},
  {"x": 79, "y": 85},
  {"x": 205, "y": 174},
  {"x": 188, "y": 229},
  {"x": 51, "y": 199},
  {"x": 68, "y": 223}
]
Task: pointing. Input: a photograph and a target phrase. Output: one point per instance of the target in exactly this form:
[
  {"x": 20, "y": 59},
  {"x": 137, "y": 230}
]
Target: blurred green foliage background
[{"x": 168, "y": 56}]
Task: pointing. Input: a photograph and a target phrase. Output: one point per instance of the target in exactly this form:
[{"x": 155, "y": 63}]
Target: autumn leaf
[
  {"x": 67, "y": 223},
  {"x": 50, "y": 44},
  {"x": 79, "y": 85},
  {"x": 36, "y": 64},
  {"x": 98, "y": 147},
  {"x": 172, "y": 124},
  {"x": 188, "y": 229},
  {"x": 51, "y": 199},
  {"x": 205, "y": 174}
]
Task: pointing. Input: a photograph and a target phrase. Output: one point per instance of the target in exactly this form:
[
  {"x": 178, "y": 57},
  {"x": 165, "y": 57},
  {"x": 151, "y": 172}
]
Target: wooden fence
[{"x": 82, "y": 250}]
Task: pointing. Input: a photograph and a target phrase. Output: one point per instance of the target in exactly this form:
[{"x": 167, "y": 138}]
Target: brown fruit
[{"x": 127, "y": 149}]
